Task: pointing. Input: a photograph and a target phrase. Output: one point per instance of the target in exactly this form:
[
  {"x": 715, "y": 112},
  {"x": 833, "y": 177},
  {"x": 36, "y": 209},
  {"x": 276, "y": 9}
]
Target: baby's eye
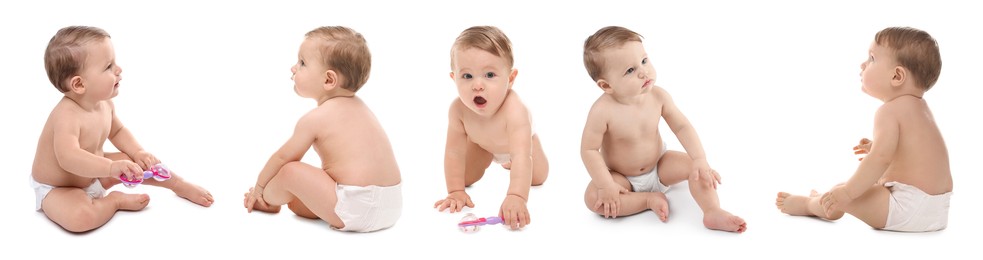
[
  {"x": 490, "y": 75},
  {"x": 467, "y": 76},
  {"x": 630, "y": 70},
  {"x": 109, "y": 67},
  {"x": 870, "y": 58},
  {"x": 645, "y": 60},
  {"x": 301, "y": 62}
]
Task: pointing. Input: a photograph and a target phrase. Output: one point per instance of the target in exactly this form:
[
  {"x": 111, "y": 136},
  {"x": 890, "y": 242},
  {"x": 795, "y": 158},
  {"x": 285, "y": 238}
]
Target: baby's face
[
  {"x": 877, "y": 71},
  {"x": 628, "y": 70},
  {"x": 100, "y": 75},
  {"x": 483, "y": 80},
  {"x": 308, "y": 73}
]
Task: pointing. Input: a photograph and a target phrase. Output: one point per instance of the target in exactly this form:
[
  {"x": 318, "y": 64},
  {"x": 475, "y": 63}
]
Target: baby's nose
[{"x": 478, "y": 86}]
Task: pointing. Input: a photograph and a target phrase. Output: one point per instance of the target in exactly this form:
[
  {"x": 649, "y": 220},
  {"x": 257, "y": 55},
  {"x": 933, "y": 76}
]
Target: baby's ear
[
  {"x": 331, "y": 80},
  {"x": 75, "y": 85},
  {"x": 512, "y": 77},
  {"x": 900, "y": 76},
  {"x": 452, "y": 75},
  {"x": 603, "y": 84}
]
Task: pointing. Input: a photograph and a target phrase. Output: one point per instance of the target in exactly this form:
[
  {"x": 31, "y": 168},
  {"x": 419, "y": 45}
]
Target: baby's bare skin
[
  {"x": 907, "y": 147},
  {"x": 70, "y": 153},
  {"x": 353, "y": 147},
  {"x": 622, "y": 139},
  {"x": 489, "y": 119}
]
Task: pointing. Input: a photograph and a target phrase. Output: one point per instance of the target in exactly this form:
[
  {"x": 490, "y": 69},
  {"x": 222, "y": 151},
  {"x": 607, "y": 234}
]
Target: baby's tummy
[{"x": 632, "y": 162}]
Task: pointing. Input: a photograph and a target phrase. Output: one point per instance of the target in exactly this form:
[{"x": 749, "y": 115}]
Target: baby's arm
[
  {"x": 519, "y": 129},
  {"x": 455, "y": 152},
  {"x": 72, "y": 158},
  {"x": 590, "y": 146},
  {"x": 293, "y": 150},
  {"x": 687, "y": 136},
  {"x": 123, "y": 139},
  {"x": 872, "y": 167}
]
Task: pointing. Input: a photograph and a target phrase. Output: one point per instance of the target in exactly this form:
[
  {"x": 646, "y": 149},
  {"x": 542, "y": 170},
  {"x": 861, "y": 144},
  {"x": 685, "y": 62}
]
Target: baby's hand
[
  {"x": 834, "y": 199},
  {"x": 514, "y": 212},
  {"x": 863, "y": 147},
  {"x": 145, "y": 159},
  {"x": 131, "y": 170},
  {"x": 608, "y": 200},
  {"x": 255, "y": 195},
  {"x": 455, "y": 201},
  {"x": 703, "y": 172}
]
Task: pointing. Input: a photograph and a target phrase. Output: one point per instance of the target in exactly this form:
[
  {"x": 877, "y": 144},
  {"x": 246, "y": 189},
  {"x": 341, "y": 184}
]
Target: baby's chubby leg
[
  {"x": 176, "y": 183},
  {"x": 631, "y": 202},
  {"x": 310, "y": 186},
  {"x": 75, "y": 211},
  {"x": 675, "y": 167}
]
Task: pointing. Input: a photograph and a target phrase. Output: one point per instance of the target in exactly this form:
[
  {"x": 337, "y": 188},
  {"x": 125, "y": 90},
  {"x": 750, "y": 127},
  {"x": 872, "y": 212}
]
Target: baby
[
  {"x": 357, "y": 187},
  {"x": 71, "y": 172},
  {"x": 488, "y": 122},
  {"x": 904, "y": 183},
  {"x": 622, "y": 149}
]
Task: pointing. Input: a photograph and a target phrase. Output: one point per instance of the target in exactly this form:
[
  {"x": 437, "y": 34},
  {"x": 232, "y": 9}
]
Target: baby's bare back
[
  {"x": 921, "y": 159},
  {"x": 632, "y": 144},
  {"x": 93, "y": 130},
  {"x": 353, "y": 147}
]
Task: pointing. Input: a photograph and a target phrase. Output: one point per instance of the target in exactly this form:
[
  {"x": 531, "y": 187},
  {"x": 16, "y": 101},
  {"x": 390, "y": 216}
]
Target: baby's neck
[
  {"x": 339, "y": 92},
  {"x": 85, "y": 104},
  {"x": 905, "y": 92},
  {"x": 628, "y": 100}
]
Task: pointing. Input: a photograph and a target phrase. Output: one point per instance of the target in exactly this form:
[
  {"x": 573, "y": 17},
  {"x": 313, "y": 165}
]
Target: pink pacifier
[{"x": 159, "y": 172}]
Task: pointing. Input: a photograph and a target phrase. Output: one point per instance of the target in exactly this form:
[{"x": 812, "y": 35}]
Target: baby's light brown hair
[
  {"x": 486, "y": 38},
  {"x": 916, "y": 51},
  {"x": 603, "y": 39},
  {"x": 65, "y": 54},
  {"x": 345, "y": 51}
]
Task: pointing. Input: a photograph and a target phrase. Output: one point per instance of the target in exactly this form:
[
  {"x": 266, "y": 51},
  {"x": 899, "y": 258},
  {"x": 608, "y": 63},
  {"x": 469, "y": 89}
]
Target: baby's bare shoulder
[
  {"x": 66, "y": 111},
  {"x": 602, "y": 107}
]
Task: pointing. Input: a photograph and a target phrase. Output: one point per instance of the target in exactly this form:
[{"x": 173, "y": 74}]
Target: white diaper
[
  {"x": 370, "y": 208},
  {"x": 649, "y": 182},
  {"x": 502, "y": 158},
  {"x": 41, "y": 190},
  {"x": 913, "y": 210}
]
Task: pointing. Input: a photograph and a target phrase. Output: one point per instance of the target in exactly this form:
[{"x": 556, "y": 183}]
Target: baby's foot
[
  {"x": 723, "y": 220},
  {"x": 193, "y": 193},
  {"x": 658, "y": 203},
  {"x": 130, "y": 202},
  {"x": 794, "y": 205}
]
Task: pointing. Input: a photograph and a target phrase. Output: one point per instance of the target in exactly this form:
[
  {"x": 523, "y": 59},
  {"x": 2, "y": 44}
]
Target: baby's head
[
  {"x": 900, "y": 54},
  {"x": 616, "y": 60},
  {"x": 81, "y": 59},
  {"x": 332, "y": 56},
  {"x": 481, "y": 67}
]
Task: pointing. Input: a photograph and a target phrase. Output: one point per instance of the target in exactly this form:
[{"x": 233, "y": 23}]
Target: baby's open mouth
[{"x": 480, "y": 100}]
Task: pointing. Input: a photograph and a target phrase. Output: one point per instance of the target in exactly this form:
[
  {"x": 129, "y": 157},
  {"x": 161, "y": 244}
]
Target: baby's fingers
[
  {"x": 441, "y": 205},
  {"x": 523, "y": 219},
  {"x": 250, "y": 201}
]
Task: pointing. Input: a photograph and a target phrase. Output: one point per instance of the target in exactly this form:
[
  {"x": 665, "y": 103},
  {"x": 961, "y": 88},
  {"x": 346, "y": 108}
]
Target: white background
[{"x": 772, "y": 88}]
